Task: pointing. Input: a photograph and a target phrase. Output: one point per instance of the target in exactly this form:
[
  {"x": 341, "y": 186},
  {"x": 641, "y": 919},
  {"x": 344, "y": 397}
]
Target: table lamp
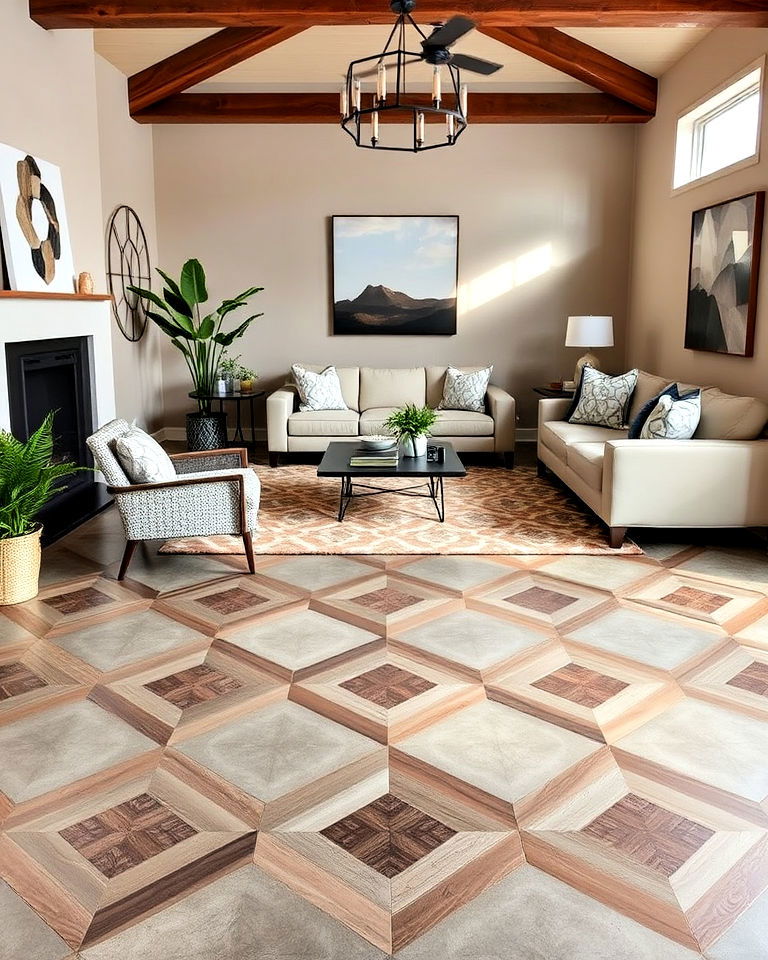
[{"x": 589, "y": 332}]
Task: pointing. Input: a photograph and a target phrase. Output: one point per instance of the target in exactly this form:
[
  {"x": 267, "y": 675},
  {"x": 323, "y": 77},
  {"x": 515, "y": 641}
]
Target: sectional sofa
[
  {"x": 371, "y": 394},
  {"x": 717, "y": 479}
]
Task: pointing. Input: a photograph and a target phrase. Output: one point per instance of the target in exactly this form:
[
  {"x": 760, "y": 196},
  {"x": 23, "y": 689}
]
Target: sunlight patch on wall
[{"x": 504, "y": 278}]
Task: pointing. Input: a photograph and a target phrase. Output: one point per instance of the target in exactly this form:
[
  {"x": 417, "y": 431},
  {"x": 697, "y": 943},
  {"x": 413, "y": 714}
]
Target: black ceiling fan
[{"x": 436, "y": 47}]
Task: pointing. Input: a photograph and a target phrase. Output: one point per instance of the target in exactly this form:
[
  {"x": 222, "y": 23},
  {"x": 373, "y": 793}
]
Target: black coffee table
[{"x": 335, "y": 463}]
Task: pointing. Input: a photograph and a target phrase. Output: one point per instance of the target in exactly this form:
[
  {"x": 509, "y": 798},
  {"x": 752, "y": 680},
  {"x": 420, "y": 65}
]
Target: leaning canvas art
[
  {"x": 722, "y": 281},
  {"x": 395, "y": 275},
  {"x": 35, "y": 236}
]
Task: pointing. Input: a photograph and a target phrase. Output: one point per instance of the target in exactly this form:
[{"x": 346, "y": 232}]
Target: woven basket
[{"x": 19, "y": 567}]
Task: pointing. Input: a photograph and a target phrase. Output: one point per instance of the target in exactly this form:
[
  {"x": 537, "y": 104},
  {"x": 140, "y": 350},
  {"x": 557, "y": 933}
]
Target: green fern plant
[
  {"x": 29, "y": 477},
  {"x": 410, "y": 421}
]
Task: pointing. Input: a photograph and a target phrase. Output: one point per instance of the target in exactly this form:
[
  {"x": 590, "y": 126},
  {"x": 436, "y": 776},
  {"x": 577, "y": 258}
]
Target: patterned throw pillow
[
  {"x": 673, "y": 419},
  {"x": 645, "y": 411},
  {"x": 465, "y": 390},
  {"x": 318, "y": 391},
  {"x": 143, "y": 459},
  {"x": 603, "y": 401}
]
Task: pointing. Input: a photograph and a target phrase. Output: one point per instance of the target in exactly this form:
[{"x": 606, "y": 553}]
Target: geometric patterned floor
[{"x": 506, "y": 758}]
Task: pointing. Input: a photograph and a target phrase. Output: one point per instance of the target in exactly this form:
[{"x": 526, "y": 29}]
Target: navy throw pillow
[{"x": 637, "y": 424}]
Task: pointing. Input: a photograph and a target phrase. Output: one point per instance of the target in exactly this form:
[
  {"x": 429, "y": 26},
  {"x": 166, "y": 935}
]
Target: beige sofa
[
  {"x": 372, "y": 393},
  {"x": 717, "y": 479}
]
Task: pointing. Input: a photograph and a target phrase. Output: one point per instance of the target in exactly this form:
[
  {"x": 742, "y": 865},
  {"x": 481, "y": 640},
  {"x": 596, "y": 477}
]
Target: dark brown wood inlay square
[
  {"x": 693, "y": 599},
  {"x": 387, "y": 600},
  {"x": 649, "y": 834},
  {"x": 389, "y": 834},
  {"x": 541, "y": 600},
  {"x": 753, "y": 678},
  {"x": 78, "y": 601},
  {"x": 234, "y": 600},
  {"x": 580, "y": 685},
  {"x": 187, "y": 688},
  {"x": 126, "y": 835},
  {"x": 16, "y": 678},
  {"x": 387, "y": 685}
]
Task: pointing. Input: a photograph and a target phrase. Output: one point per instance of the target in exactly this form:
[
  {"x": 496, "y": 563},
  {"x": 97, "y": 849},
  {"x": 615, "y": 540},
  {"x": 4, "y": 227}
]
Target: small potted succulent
[
  {"x": 411, "y": 425},
  {"x": 29, "y": 476},
  {"x": 229, "y": 373},
  {"x": 248, "y": 378}
]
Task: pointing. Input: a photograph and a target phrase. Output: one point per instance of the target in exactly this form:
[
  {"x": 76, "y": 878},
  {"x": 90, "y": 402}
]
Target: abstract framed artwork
[
  {"x": 722, "y": 277},
  {"x": 395, "y": 275},
  {"x": 36, "y": 243}
]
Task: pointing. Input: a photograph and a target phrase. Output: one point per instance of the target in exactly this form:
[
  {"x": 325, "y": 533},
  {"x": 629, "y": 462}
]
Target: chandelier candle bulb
[
  {"x": 344, "y": 102},
  {"x": 357, "y": 94},
  {"x": 381, "y": 83},
  {"x": 451, "y": 126},
  {"x": 436, "y": 87},
  {"x": 374, "y": 126},
  {"x": 464, "y": 97},
  {"x": 420, "y": 128}
]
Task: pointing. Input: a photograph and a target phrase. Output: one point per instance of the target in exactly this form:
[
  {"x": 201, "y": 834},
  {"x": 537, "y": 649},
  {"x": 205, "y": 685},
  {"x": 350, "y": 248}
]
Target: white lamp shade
[{"x": 589, "y": 332}]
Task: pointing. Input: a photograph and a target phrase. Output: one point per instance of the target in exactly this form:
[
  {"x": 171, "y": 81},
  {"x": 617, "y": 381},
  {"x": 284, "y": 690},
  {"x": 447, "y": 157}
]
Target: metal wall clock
[{"x": 128, "y": 265}]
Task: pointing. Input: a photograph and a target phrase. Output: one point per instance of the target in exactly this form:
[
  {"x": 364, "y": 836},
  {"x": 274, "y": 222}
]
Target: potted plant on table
[
  {"x": 248, "y": 379},
  {"x": 29, "y": 477},
  {"x": 201, "y": 340},
  {"x": 411, "y": 425}
]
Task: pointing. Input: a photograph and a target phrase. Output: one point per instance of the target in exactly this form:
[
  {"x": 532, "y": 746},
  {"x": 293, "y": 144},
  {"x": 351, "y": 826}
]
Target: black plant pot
[{"x": 206, "y": 431}]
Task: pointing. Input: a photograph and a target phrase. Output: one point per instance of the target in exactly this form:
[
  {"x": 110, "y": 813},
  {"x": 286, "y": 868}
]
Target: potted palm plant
[
  {"x": 29, "y": 477},
  {"x": 411, "y": 425},
  {"x": 201, "y": 340}
]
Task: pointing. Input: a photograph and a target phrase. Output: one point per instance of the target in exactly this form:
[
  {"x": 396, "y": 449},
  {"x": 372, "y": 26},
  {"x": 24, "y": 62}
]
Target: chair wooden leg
[
  {"x": 616, "y": 536},
  {"x": 248, "y": 543},
  {"x": 130, "y": 546}
]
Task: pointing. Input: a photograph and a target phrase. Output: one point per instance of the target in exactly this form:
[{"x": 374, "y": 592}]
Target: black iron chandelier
[{"x": 435, "y": 121}]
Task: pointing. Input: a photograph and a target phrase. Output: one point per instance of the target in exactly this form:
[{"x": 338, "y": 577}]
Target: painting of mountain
[
  {"x": 723, "y": 273},
  {"x": 395, "y": 275}
]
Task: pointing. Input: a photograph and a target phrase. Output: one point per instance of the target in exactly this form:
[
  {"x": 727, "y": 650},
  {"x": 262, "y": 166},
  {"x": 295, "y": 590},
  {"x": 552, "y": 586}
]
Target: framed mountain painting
[
  {"x": 722, "y": 277},
  {"x": 395, "y": 275}
]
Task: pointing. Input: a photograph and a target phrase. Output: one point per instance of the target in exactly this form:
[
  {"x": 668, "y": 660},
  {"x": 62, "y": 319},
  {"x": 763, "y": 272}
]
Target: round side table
[{"x": 238, "y": 399}]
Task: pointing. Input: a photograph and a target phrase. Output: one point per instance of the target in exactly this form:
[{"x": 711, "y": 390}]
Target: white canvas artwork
[{"x": 36, "y": 244}]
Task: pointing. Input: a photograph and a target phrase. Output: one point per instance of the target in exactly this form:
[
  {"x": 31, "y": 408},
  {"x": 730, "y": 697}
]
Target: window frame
[{"x": 693, "y": 140}]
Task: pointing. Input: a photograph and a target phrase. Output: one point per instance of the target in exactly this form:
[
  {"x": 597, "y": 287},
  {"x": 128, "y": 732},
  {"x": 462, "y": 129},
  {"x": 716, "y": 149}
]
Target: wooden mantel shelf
[{"x": 45, "y": 295}]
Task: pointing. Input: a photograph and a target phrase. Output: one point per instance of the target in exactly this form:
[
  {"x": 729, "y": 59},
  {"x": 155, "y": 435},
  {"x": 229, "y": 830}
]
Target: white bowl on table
[{"x": 378, "y": 442}]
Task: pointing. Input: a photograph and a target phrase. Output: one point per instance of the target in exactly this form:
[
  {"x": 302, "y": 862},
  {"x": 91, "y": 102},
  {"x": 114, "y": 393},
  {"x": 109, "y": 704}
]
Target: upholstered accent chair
[{"x": 215, "y": 494}]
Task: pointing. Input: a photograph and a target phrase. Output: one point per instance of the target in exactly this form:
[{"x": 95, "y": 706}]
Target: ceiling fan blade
[
  {"x": 474, "y": 64},
  {"x": 374, "y": 70},
  {"x": 450, "y": 32}
]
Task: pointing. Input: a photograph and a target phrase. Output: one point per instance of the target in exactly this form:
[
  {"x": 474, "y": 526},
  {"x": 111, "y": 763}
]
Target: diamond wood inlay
[
  {"x": 649, "y": 834},
  {"x": 78, "y": 601},
  {"x": 753, "y": 678},
  {"x": 694, "y": 599},
  {"x": 388, "y": 834},
  {"x": 16, "y": 678},
  {"x": 387, "y": 600},
  {"x": 541, "y": 600},
  {"x": 580, "y": 685},
  {"x": 196, "y": 685},
  {"x": 127, "y": 835},
  {"x": 234, "y": 600},
  {"x": 387, "y": 685}
]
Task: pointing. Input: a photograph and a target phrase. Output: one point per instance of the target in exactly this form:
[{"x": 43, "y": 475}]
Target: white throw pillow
[
  {"x": 465, "y": 389},
  {"x": 143, "y": 459},
  {"x": 603, "y": 401},
  {"x": 318, "y": 391},
  {"x": 673, "y": 419}
]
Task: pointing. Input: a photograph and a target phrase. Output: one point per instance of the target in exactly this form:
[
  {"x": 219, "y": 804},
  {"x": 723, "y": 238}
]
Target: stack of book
[{"x": 375, "y": 458}]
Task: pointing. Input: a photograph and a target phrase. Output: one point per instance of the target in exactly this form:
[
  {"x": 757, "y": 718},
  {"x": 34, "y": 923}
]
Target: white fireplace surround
[{"x": 24, "y": 319}]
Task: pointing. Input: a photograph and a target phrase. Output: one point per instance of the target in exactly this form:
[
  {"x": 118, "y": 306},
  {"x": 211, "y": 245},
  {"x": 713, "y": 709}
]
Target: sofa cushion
[
  {"x": 586, "y": 460},
  {"x": 323, "y": 423},
  {"x": 558, "y": 435},
  {"x": 462, "y": 423},
  {"x": 647, "y": 387},
  {"x": 349, "y": 378},
  {"x": 391, "y": 387},
  {"x": 725, "y": 417},
  {"x": 372, "y": 421}
]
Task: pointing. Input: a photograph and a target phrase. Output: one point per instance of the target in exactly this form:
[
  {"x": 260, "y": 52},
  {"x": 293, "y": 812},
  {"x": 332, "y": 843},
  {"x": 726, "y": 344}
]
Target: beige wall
[
  {"x": 663, "y": 223},
  {"x": 48, "y": 107},
  {"x": 253, "y": 203},
  {"x": 127, "y": 176}
]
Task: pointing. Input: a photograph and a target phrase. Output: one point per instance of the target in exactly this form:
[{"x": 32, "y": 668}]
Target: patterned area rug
[{"x": 490, "y": 511}]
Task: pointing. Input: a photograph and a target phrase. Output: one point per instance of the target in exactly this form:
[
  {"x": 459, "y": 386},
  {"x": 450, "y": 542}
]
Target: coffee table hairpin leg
[{"x": 434, "y": 485}]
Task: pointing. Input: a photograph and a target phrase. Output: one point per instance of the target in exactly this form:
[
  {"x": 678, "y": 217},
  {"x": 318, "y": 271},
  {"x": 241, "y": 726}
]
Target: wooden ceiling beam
[
  {"x": 201, "y": 61},
  {"x": 501, "y": 13},
  {"x": 582, "y": 61},
  {"x": 324, "y": 108}
]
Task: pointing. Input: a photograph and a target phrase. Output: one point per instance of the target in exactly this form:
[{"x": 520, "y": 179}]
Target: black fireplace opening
[{"x": 45, "y": 375}]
